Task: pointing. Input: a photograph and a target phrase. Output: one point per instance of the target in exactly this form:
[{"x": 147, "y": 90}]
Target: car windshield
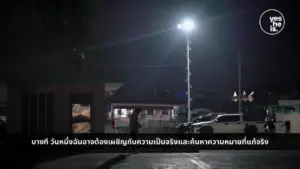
[{"x": 205, "y": 118}]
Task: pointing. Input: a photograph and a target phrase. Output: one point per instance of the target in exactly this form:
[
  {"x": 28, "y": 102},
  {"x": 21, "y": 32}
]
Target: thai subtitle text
[{"x": 154, "y": 142}]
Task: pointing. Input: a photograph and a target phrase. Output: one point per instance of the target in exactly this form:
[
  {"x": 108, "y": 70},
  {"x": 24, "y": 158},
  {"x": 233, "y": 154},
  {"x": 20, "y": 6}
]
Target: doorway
[
  {"x": 37, "y": 112},
  {"x": 287, "y": 126},
  {"x": 81, "y": 111}
]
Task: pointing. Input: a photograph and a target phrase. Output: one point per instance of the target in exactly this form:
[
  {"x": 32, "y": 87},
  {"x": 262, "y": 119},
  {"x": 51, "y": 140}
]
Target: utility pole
[
  {"x": 188, "y": 61},
  {"x": 240, "y": 97},
  {"x": 239, "y": 83},
  {"x": 188, "y": 26}
]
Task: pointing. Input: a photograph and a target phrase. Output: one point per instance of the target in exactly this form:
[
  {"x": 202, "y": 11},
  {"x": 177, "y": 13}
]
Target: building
[
  {"x": 155, "y": 116},
  {"x": 290, "y": 103},
  {"x": 158, "y": 113},
  {"x": 3, "y": 99},
  {"x": 47, "y": 108}
]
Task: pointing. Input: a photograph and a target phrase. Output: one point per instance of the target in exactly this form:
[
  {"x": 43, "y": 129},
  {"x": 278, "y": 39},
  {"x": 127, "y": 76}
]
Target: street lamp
[{"x": 187, "y": 26}]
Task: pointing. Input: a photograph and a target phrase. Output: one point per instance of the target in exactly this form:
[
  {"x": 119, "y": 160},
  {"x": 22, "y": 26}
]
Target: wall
[
  {"x": 111, "y": 88},
  {"x": 62, "y": 106},
  {"x": 14, "y": 115},
  {"x": 3, "y": 93}
]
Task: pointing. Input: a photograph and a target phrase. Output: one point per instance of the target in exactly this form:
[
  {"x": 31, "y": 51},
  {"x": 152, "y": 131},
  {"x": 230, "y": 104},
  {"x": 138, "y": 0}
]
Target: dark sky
[{"x": 126, "y": 40}]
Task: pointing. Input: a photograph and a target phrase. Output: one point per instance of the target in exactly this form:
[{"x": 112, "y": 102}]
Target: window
[
  {"x": 196, "y": 120},
  {"x": 81, "y": 112},
  {"x": 165, "y": 112},
  {"x": 81, "y": 118},
  {"x": 233, "y": 118},
  {"x": 119, "y": 112},
  {"x": 150, "y": 112},
  {"x": 157, "y": 112}
]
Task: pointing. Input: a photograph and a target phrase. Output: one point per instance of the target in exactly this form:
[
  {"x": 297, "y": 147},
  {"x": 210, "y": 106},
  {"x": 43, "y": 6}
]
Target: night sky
[{"x": 137, "y": 41}]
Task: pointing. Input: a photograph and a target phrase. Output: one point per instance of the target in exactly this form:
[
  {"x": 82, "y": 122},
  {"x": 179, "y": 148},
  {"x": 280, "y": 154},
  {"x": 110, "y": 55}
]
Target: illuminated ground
[{"x": 203, "y": 160}]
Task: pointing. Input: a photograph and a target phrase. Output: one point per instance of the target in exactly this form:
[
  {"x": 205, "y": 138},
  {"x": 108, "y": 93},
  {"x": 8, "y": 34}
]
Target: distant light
[{"x": 187, "y": 25}]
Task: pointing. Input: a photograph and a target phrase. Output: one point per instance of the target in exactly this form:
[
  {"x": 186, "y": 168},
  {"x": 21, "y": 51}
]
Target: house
[
  {"x": 157, "y": 116},
  {"x": 47, "y": 107},
  {"x": 3, "y": 106},
  {"x": 295, "y": 104},
  {"x": 157, "y": 107}
]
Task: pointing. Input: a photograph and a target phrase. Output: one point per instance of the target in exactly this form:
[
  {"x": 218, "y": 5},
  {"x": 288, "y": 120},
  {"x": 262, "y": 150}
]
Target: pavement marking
[{"x": 198, "y": 162}]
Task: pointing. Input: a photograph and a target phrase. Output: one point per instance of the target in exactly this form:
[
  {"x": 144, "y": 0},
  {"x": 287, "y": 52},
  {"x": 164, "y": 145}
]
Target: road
[
  {"x": 83, "y": 161},
  {"x": 212, "y": 160},
  {"x": 202, "y": 160}
]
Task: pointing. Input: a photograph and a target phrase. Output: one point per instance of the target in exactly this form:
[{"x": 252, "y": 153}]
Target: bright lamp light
[{"x": 187, "y": 25}]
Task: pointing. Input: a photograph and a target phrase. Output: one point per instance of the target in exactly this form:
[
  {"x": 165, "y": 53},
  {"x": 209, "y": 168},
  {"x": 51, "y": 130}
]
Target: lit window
[{"x": 157, "y": 112}]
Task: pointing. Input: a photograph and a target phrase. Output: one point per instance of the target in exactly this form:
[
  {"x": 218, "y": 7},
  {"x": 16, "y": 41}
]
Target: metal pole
[
  {"x": 188, "y": 77},
  {"x": 240, "y": 82}
]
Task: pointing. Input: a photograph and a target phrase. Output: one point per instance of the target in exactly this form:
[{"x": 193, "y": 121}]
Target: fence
[{"x": 151, "y": 126}]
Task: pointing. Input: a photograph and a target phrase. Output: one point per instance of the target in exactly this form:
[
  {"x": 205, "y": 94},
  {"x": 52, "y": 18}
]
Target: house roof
[
  {"x": 158, "y": 102},
  {"x": 62, "y": 78},
  {"x": 149, "y": 104},
  {"x": 142, "y": 93}
]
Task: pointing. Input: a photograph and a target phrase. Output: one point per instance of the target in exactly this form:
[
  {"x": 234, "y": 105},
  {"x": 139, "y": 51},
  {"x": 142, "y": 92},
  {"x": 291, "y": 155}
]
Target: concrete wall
[
  {"x": 3, "y": 93},
  {"x": 62, "y": 106}
]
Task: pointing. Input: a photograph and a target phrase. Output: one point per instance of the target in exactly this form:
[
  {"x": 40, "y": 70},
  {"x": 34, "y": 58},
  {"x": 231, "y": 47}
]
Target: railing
[{"x": 149, "y": 129}]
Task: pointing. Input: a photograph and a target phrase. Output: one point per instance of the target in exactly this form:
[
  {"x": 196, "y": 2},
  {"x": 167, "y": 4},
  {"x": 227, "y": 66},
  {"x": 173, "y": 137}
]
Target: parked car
[
  {"x": 228, "y": 123},
  {"x": 186, "y": 127}
]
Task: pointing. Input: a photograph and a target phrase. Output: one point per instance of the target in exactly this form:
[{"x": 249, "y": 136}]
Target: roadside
[
  {"x": 88, "y": 160},
  {"x": 212, "y": 160}
]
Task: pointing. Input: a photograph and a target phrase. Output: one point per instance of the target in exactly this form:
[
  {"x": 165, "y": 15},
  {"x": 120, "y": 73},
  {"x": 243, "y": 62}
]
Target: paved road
[
  {"x": 82, "y": 161},
  {"x": 202, "y": 160},
  {"x": 212, "y": 160}
]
